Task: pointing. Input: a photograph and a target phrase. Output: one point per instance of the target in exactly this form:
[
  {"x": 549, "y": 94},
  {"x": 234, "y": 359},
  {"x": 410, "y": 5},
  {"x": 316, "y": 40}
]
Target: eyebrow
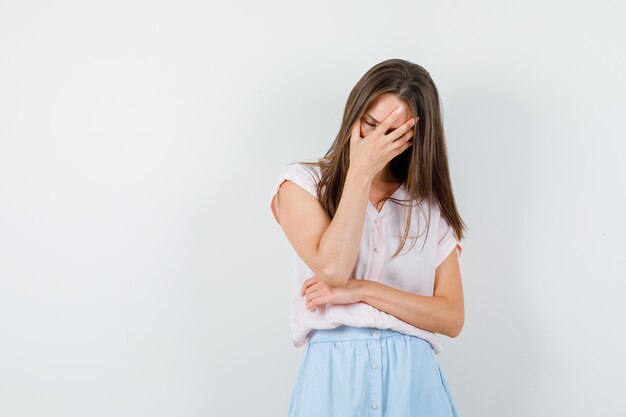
[{"x": 370, "y": 116}]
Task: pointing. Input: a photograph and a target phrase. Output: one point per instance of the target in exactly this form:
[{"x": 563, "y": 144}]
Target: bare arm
[
  {"x": 442, "y": 313},
  {"x": 329, "y": 248}
]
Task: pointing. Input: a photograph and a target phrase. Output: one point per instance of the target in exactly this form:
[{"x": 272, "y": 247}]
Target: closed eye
[{"x": 374, "y": 126}]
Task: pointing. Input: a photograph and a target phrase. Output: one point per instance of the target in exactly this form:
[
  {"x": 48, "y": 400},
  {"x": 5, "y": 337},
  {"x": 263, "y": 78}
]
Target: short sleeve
[
  {"x": 300, "y": 175},
  {"x": 446, "y": 241}
]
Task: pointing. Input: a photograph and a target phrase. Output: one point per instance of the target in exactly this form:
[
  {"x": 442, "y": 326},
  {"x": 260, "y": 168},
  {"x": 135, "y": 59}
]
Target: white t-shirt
[{"x": 411, "y": 272}]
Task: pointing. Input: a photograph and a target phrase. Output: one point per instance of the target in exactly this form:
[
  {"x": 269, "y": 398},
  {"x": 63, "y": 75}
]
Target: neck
[{"x": 384, "y": 176}]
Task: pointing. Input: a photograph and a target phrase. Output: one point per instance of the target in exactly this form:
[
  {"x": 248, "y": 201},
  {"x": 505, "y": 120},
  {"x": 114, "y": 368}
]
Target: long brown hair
[{"x": 423, "y": 167}]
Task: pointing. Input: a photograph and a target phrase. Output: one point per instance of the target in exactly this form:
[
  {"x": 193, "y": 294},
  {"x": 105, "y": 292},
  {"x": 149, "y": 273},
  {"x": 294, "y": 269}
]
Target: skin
[
  {"x": 330, "y": 248},
  {"x": 383, "y": 182},
  {"x": 441, "y": 313}
]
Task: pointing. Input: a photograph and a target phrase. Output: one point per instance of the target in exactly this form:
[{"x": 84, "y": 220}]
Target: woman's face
[{"x": 380, "y": 108}]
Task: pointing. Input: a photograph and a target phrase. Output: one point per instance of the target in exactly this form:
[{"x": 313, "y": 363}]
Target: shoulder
[
  {"x": 309, "y": 170},
  {"x": 306, "y": 176},
  {"x": 446, "y": 239}
]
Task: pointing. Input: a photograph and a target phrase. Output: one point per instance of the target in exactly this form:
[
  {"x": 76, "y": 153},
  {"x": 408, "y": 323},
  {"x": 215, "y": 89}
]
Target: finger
[
  {"x": 402, "y": 144},
  {"x": 355, "y": 135},
  {"x": 403, "y": 139},
  {"x": 308, "y": 282},
  {"x": 317, "y": 301},
  {"x": 385, "y": 125},
  {"x": 312, "y": 288},
  {"x": 402, "y": 130},
  {"x": 311, "y": 303},
  {"x": 305, "y": 286},
  {"x": 314, "y": 291},
  {"x": 323, "y": 291}
]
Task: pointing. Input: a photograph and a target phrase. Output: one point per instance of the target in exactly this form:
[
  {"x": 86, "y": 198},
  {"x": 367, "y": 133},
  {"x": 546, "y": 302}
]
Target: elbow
[
  {"x": 455, "y": 324},
  {"x": 455, "y": 331},
  {"x": 332, "y": 268},
  {"x": 333, "y": 278}
]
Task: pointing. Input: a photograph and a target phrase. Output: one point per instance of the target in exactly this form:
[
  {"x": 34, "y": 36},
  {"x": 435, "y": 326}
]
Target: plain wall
[{"x": 141, "y": 270}]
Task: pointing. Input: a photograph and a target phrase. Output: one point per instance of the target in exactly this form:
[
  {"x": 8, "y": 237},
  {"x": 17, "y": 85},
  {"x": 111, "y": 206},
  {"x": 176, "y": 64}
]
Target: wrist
[
  {"x": 359, "y": 176},
  {"x": 362, "y": 287}
]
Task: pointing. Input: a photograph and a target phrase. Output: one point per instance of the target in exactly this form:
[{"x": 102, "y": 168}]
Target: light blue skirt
[{"x": 368, "y": 372}]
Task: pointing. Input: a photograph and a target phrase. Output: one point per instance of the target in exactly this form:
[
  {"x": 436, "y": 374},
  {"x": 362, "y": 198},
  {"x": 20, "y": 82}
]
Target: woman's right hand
[{"x": 369, "y": 155}]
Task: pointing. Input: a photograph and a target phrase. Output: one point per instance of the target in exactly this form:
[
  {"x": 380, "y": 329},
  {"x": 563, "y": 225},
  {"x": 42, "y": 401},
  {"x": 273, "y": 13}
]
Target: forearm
[
  {"x": 435, "y": 314},
  {"x": 340, "y": 244}
]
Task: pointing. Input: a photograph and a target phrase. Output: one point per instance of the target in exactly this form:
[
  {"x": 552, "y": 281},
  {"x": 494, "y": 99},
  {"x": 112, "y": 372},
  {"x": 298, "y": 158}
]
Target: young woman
[{"x": 376, "y": 236}]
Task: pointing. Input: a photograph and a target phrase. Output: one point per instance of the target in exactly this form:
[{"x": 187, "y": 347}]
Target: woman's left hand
[{"x": 318, "y": 292}]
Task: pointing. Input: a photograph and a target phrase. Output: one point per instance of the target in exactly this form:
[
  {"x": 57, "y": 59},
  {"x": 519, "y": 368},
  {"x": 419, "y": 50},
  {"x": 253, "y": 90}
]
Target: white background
[{"x": 141, "y": 270}]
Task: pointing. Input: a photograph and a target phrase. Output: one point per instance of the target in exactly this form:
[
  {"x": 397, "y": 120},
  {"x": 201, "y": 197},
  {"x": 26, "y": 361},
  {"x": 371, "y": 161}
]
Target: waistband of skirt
[{"x": 344, "y": 332}]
